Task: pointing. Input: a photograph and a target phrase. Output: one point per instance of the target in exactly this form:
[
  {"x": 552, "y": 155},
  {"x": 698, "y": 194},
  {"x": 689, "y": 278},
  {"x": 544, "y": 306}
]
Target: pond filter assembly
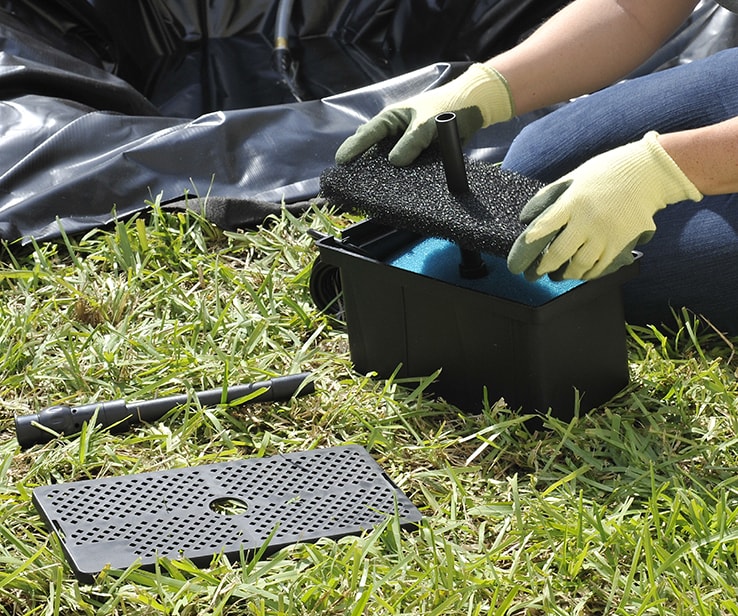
[{"x": 413, "y": 306}]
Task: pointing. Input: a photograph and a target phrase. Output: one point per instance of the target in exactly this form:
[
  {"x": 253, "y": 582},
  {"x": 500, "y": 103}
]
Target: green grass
[{"x": 631, "y": 509}]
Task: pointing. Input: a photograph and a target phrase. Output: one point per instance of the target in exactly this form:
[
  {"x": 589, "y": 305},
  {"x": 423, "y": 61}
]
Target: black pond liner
[{"x": 108, "y": 104}]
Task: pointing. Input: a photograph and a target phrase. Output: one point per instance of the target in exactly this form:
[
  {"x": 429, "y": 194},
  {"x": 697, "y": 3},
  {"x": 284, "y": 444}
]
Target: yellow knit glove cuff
[
  {"x": 489, "y": 91},
  {"x": 480, "y": 86}
]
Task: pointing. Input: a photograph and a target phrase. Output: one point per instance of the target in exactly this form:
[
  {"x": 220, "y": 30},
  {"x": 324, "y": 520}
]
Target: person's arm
[
  {"x": 587, "y": 45},
  {"x": 586, "y": 224},
  {"x": 708, "y": 156}
]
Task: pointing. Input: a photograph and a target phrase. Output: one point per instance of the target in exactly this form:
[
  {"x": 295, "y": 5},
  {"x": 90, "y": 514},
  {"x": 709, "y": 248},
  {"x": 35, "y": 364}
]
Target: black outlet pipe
[
  {"x": 65, "y": 420},
  {"x": 452, "y": 158}
]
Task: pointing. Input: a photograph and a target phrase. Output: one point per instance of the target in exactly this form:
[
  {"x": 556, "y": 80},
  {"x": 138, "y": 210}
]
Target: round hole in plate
[{"x": 229, "y": 506}]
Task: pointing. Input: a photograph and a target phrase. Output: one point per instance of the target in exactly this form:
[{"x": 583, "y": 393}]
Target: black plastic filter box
[
  {"x": 230, "y": 508},
  {"x": 535, "y": 357}
]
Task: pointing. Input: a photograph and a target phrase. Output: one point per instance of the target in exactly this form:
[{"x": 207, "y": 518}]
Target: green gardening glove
[
  {"x": 587, "y": 223},
  {"x": 479, "y": 97}
]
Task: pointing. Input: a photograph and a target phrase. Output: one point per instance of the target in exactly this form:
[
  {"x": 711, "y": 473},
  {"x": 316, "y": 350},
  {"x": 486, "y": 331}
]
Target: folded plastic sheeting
[{"x": 108, "y": 104}]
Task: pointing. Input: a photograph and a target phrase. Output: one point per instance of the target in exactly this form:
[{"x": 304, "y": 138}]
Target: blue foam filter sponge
[{"x": 439, "y": 259}]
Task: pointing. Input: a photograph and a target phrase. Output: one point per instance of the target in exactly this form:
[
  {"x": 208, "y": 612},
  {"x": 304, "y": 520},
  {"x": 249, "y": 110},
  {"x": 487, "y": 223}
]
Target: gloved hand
[
  {"x": 479, "y": 97},
  {"x": 587, "y": 223}
]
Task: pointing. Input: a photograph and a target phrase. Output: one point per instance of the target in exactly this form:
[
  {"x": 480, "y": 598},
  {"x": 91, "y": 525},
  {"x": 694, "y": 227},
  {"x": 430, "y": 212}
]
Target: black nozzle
[{"x": 66, "y": 420}]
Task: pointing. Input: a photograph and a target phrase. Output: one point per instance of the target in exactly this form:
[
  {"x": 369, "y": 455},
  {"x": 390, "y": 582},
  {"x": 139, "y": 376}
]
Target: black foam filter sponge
[{"x": 416, "y": 198}]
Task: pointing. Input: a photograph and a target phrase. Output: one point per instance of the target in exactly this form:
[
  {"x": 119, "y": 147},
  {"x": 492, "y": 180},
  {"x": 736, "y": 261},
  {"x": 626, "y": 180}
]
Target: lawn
[{"x": 629, "y": 509}]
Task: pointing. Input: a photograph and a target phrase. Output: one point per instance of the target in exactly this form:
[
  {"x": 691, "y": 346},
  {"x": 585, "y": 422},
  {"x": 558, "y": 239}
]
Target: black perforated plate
[{"x": 231, "y": 508}]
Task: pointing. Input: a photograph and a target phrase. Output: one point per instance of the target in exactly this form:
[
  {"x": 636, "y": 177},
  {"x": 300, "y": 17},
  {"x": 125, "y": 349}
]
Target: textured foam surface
[
  {"x": 439, "y": 259},
  {"x": 416, "y": 198}
]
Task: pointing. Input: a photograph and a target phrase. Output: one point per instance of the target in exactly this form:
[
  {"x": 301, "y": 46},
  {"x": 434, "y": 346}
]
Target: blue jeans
[{"x": 692, "y": 260}]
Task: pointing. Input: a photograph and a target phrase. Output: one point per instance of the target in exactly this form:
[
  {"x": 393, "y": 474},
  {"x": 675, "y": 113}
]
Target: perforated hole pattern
[{"x": 295, "y": 497}]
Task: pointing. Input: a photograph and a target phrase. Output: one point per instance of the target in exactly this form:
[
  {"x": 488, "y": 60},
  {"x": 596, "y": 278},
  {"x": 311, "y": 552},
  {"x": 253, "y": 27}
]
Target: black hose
[{"x": 281, "y": 56}]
